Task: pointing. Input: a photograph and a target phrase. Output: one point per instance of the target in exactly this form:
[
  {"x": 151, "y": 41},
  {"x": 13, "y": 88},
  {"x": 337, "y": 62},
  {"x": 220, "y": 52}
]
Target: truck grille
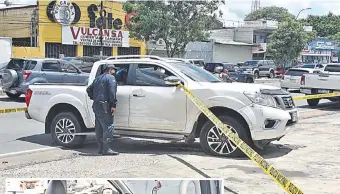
[{"x": 288, "y": 102}]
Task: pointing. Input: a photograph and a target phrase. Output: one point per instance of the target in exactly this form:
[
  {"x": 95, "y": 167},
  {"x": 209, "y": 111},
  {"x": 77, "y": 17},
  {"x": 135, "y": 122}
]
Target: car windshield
[
  {"x": 16, "y": 64},
  {"x": 250, "y": 63},
  {"x": 309, "y": 66},
  {"x": 76, "y": 61},
  {"x": 195, "y": 73}
]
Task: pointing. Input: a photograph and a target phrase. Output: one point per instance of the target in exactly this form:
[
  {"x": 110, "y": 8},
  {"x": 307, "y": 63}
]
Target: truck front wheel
[
  {"x": 64, "y": 126},
  {"x": 215, "y": 143},
  {"x": 313, "y": 102}
]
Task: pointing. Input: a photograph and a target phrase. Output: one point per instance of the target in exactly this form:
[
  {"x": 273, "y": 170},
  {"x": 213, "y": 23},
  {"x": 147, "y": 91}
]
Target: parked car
[
  {"x": 258, "y": 114},
  {"x": 19, "y": 75},
  {"x": 327, "y": 81},
  {"x": 83, "y": 63},
  {"x": 234, "y": 72},
  {"x": 291, "y": 79},
  {"x": 260, "y": 68}
]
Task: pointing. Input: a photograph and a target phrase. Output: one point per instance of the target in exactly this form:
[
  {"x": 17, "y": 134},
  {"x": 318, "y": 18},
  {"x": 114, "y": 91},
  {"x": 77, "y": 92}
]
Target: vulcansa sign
[{"x": 91, "y": 37}]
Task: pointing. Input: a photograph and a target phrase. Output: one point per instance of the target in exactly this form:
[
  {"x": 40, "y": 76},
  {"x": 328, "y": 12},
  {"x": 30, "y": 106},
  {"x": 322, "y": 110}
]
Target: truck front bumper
[{"x": 267, "y": 123}]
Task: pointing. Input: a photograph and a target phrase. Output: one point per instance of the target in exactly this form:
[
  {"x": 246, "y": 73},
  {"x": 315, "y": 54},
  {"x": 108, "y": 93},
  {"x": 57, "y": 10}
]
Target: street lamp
[{"x": 302, "y": 11}]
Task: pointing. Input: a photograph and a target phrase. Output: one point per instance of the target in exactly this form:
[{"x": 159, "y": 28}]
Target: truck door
[{"x": 153, "y": 105}]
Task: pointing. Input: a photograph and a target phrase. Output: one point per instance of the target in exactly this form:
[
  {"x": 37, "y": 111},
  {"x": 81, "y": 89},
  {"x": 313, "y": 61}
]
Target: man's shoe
[
  {"x": 107, "y": 150},
  {"x": 110, "y": 152},
  {"x": 100, "y": 148}
]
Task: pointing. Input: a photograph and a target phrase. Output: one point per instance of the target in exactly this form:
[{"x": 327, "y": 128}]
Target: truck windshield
[
  {"x": 296, "y": 72},
  {"x": 333, "y": 68},
  {"x": 195, "y": 73},
  {"x": 250, "y": 63}
]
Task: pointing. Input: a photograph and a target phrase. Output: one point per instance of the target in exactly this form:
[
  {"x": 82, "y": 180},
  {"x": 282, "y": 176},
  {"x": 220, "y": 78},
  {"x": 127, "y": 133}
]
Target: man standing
[{"x": 103, "y": 92}]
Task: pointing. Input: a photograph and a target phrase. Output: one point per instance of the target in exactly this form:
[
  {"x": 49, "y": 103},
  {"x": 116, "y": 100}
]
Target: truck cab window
[{"x": 151, "y": 75}]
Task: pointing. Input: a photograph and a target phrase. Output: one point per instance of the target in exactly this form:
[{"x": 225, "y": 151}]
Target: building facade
[{"x": 68, "y": 29}]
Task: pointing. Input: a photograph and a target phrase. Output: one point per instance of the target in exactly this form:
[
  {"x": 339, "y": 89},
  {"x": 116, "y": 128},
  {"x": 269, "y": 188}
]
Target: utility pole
[{"x": 101, "y": 29}]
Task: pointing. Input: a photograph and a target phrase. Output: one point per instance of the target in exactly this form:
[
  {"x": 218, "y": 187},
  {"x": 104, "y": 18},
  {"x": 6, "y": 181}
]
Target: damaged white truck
[{"x": 150, "y": 106}]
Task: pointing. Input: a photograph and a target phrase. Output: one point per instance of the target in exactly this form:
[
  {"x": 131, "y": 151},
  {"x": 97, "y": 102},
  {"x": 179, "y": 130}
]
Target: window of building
[
  {"x": 151, "y": 75},
  {"x": 128, "y": 50},
  {"x": 91, "y": 51},
  {"x": 55, "y": 50},
  {"x": 254, "y": 38}
]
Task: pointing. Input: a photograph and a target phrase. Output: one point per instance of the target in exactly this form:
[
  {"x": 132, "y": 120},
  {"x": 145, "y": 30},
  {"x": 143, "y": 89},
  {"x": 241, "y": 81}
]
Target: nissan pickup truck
[
  {"x": 324, "y": 82},
  {"x": 150, "y": 105}
]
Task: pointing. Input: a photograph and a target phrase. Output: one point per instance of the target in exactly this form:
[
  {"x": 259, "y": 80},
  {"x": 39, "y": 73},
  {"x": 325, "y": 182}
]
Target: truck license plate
[
  {"x": 306, "y": 91},
  {"x": 323, "y": 91},
  {"x": 294, "y": 116}
]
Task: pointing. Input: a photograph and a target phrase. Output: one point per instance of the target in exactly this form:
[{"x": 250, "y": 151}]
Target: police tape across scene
[
  {"x": 11, "y": 110},
  {"x": 276, "y": 175},
  {"x": 316, "y": 96}
]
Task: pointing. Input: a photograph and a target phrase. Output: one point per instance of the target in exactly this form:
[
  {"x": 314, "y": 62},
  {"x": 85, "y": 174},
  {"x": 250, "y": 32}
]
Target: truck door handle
[{"x": 138, "y": 95}]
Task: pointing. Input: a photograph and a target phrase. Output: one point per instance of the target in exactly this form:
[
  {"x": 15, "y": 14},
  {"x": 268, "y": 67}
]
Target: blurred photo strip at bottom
[{"x": 114, "y": 186}]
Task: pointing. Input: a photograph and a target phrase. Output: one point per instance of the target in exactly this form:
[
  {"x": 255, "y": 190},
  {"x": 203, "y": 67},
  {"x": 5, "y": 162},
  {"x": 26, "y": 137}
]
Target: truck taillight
[
  {"x": 28, "y": 96},
  {"x": 303, "y": 80},
  {"x": 26, "y": 74}
]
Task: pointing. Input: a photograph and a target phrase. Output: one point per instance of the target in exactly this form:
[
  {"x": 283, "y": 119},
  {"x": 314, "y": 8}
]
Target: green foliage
[
  {"x": 274, "y": 13},
  {"x": 325, "y": 26},
  {"x": 335, "y": 38},
  {"x": 175, "y": 22},
  {"x": 287, "y": 41}
]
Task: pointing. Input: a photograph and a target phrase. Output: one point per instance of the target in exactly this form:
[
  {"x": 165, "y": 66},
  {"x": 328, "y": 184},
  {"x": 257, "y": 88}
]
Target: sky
[{"x": 235, "y": 10}]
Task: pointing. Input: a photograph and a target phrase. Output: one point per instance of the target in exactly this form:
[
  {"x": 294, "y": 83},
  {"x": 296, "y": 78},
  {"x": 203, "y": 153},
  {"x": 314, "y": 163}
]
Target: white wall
[{"x": 231, "y": 53}]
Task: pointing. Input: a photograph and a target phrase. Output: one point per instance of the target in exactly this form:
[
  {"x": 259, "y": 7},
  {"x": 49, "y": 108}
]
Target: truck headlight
[
  {"x": 261, "y": 99},
  {"x": 249, "y": 69}
]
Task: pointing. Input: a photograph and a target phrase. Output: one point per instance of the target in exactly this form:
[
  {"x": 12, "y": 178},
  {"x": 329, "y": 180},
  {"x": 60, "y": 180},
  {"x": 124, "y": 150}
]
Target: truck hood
[{"x": 243, "y": 87}]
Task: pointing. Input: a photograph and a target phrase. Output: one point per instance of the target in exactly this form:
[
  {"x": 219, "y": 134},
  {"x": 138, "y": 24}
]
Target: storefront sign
[
  {"x": 63, "y": 12},
  {"x": 109, "y": 22},
  {"x": 91, "y": 37}
]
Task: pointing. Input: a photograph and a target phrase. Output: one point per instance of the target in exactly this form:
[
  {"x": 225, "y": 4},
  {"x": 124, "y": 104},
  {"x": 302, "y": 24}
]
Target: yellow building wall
[{"x": 51, "y": 32}]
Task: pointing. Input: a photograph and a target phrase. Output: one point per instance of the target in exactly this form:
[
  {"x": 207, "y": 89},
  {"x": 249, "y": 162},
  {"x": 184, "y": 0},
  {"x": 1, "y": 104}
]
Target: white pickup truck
[
  {"x": 324, "y": 82},
  {"x": 150, "y": 106}
]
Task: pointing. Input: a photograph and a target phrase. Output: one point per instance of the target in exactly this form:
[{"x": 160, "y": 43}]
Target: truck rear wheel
[
  {"x": 13, "y": 96},
  {"x": 313, "y": 102},
  {"x": 63, "y": 129},
  {"x": 215, "y": 143}
]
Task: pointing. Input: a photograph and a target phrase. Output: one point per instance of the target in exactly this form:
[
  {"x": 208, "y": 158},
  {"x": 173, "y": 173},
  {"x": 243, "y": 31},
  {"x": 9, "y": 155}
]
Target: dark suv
[
  {"x": 20, "y": 73},
  {"x": 260, "y": 68}
]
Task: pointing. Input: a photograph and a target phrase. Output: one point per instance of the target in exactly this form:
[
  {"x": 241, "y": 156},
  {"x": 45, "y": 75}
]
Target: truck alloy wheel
[
  {"x": 256, "y": 75},
  {"x": 213, "y": 141},
  {"x": 63, "y": 129},
  {"x": 219, "y": 143}
]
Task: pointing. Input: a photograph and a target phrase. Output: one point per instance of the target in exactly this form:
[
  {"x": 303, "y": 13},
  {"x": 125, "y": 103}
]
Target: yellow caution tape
[
  {"x": 10, "y": 110},
  {"x": 277, "y": 176},
  {"x": 316, "y": 96}
]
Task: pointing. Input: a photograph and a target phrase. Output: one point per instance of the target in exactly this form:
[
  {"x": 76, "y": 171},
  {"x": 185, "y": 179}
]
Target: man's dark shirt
[{"x": 104, "y": 88}]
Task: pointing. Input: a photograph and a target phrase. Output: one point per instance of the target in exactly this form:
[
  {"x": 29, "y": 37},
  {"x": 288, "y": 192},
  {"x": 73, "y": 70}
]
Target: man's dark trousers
[{"x": 104, "y": 126}]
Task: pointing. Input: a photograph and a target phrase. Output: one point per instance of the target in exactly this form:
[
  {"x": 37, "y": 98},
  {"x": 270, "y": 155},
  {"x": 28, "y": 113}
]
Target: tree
[
  {"x": 274, "y": 13},
  {"x": 175, "y": 22},
  {"x": 287, "y": 42},
  {"x": 325, "y": 26}
]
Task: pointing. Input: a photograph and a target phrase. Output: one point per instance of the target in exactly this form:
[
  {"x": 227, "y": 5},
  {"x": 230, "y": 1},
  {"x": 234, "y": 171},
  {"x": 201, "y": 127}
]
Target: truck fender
[
  {"x": 217, "y": 101},
  {"x": 38, "y": 80},
  {"x": 71, "y": 100}
]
